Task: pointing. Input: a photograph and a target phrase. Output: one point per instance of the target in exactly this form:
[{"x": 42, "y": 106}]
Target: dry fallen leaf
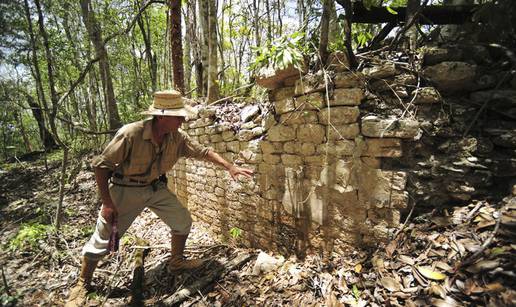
[
  {"x": 483, "y": 265},
  {"x": 390, "y": 284},
  {"x": 437, "y": 290},
  {"x": 358, "y": 268},
  {"x": 430, "y": 274}
]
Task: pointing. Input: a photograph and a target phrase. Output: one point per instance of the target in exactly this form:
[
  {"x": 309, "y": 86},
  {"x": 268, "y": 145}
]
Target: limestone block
[
  {"x": 338, "y": 115},
  {"x": 249, "y": 112},
  {"x": 307, "y": 149},
  {"x": 310, "y": 83},
  {"x": 271, "y": 147},
  {"x": 247, "y": 135},
  {"x": 219, "y": 191},
  {"x": 435, "y": 55},
  {"x": 383, "y": 189},
  {"x": 293, "y": 196},
  {"x": 341, "y": 132},
  {"x": 371, "y": 162},
  {"x": 349, "y": 79},
  {"x": 270, "y": 78},
  {"x": 250, "y": 157},
  {"x": 384, "y": 70},
  {"x": 233, "y": 146},
  {"x": 282, "y": 93},
  {"x": 248, "y": 125},
  {"x": 201, "y": 122},
  {"x": 253, "y": 145},
  {"x": 208, "y": 111},
  {"x": 338, "y": 148},
  {"x": 204, "y": 139},
  {"x": 284, "y": 105},
  {"x": 299, "y": 117},
  {"x": 347, "y": 97},
  {"x": 210, "y": 172},
  {"x": 387, "y": 215},
  {"x": 338, "y": 176},
  {"x": 291, "y": 159},
  {"x": 220, "y": 147},
  {"x": 312, "y": 133},
  {"x": 314, "y": 160},
  {"x": 271, "y": 158},
  {"x": 228, "y": 135},
  {"x": 215, "y": 138},
  {"x": 383, "y": 147},
  {"x": 451, "y": 76},
  {"x": 338, "y": 61},
  {"x": 313, "y": 101},
  {"x": 271, "y": 194},
  {"x": 229, "y": 156},
  {"x": 316, "y": 202},
  {"x": 281, "y": 133},
  {"x": 268, "y": 121},
  {"x": 426, "y": 95},
  {"x": 291, "y": 147},
  {"x": 374, "y": 126}
]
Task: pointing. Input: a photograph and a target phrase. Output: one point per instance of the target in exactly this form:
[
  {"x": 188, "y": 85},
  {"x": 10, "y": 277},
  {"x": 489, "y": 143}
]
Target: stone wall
[{"x": 332, "y": 154}]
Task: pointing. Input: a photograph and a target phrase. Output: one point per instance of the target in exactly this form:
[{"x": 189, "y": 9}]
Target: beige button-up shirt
[{"x": 133, "y": 154}]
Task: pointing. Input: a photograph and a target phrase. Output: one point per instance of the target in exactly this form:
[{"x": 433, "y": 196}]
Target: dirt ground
[{"x": 460, "y": 257}]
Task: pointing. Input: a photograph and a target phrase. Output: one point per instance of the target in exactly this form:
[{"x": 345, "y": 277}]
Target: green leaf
[{"x": 390, "y": 10}]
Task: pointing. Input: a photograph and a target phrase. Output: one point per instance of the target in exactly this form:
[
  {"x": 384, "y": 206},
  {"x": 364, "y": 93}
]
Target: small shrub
[{"x": 29, "y": 235}]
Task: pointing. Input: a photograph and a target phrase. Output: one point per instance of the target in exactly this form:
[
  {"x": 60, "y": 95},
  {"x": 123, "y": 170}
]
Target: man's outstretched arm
[{"x": 233, "y": 170}]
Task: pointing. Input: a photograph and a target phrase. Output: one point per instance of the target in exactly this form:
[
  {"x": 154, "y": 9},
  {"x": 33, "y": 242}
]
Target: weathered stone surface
[
  {"x": 310, "y": 83},
  {"x": 291, "y": 159},
  {"x": 338, "y": 148},
  {"x": 338, "y": 115},
  {"x": 271, "y": 147},
  {"x": 249, "y": 112},
  {"x": 233, "y": 146},
  {"x": 384, "y": 70},
  {"x": 215, "y": 138},
  {"x": 314, "y": 101},
  {"x": 314, "y": 160},
  {"x": 204, "y": 139},
  {"x": 307, "y": 149},
  {"x": 283, "y": 93},
  {"x": 383, "y": 147},
  {"x": 271, "y": 158},
  {"x": 291, "y": 147},
  {"x": 228, "y": 135},
  {"x": 281, "y": 133},
  {"x": 451, "y": 76},
  {"x": 349, "y": 79},
  {"x": 338, "y": 61},
  {"x": 272, "y": 79},
  {"x": 207, "y": 112},
  {"x": 347, "y": 97},
  {"x": 201, "y": 122},
  {"x": 337, "y": 176},
  {"x": 299, "y": 117},
  {"x": 373, "y": 126},
  {"x": 293, "y": 196},
  {"x": 249, "y": 125},
  {"x": 284, "y": 105},
  {"x": 341, "y": 132},
  {"x": 506, "y": 98},
  {"x": 247, "y": 135},
  {"x": 311, "y": 133},
  {"x": 426, "y": 95},
  {"x": 435, "y": 55},
  {"x": 382, "y": 189}
]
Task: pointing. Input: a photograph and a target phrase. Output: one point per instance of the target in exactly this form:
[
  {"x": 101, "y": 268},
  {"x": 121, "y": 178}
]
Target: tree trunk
[
  {"x": 348, "y": 10},
  {"x": 213, "y": 83},
  {"x": 176, "y": 46},
  {"x": 143, "y": 24},
  {"x": 47, "y": 139},
  {"x": 324, "y": 27},
  {"x": 95, "y": 35},
  {"x": 203, "y": 18},
  {"x": 411, "y": 33},
  {"x": 26, "y": 142},
  {"x": 188, "y": 46}
]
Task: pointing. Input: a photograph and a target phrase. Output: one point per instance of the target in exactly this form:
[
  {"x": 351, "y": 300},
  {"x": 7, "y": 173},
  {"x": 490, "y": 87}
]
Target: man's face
[{"x": 171, "y": 123}]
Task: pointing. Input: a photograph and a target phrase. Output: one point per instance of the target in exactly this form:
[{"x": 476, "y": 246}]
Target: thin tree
[
  {"x": 176, "y": 46},
  {"x": 213, "y": 83}
]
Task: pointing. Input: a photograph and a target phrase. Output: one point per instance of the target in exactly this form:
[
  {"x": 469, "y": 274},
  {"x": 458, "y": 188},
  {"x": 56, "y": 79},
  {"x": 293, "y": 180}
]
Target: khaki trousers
[{"x": 130, "y": 202}]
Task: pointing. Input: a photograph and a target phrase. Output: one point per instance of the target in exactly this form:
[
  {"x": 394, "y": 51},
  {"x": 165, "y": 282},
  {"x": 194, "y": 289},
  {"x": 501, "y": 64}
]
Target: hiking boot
[
  {"x": 78, "y": 294},
  {"x": 178, "y": 263}
]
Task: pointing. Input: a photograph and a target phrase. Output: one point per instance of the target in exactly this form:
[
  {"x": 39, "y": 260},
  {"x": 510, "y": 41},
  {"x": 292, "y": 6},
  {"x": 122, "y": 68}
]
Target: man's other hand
[{"x": 234, "y": 171}]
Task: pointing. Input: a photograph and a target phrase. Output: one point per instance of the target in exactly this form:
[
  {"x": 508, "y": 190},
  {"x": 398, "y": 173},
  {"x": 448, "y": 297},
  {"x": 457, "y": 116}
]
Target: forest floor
[{"x": 459, "y": 257}]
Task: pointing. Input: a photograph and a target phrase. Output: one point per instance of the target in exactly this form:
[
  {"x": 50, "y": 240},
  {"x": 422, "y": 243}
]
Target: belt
[{"x": 138, "y": 183}]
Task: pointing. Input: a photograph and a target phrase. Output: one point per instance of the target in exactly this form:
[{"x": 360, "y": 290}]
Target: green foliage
[
  {"x": 235, "y": 232},
  {"x": 8, "y": 300},
  {"x": 29, "y": 235},
  {"x": 288, "y": 50},
  {"x": 356, "y": 292}
]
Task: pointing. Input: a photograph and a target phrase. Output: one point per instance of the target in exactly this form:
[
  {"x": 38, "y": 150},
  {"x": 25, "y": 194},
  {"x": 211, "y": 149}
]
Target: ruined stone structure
[{"x": 333, "y": 152}]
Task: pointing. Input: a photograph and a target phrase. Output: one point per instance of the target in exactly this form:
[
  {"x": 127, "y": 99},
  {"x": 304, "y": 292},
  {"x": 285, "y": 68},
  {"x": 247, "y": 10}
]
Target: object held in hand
[{"x": 114, "y": 239}]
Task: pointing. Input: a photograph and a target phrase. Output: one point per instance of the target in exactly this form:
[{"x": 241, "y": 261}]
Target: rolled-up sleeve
[
  {"x": 192, "y": 149},
  {"x": 115, "y": 152}
]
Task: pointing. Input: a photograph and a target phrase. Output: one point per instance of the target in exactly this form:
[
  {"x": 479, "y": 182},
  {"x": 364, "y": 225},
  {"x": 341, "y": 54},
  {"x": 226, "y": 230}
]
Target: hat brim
[{"x": 187, "y": 112}]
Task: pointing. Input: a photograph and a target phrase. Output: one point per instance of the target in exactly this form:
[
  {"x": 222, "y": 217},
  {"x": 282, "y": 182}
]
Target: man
[{"x": 130, "y": 175}]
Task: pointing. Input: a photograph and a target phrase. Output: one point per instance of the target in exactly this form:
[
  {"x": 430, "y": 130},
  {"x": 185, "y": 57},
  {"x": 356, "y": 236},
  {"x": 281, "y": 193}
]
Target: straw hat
[{"x": 169, "y": 103}]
